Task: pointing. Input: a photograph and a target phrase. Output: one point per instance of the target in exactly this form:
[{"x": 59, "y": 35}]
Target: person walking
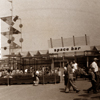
[
  {"x": 69, "y": 79},
  {"x": 93, "y": 80},
  {"x": 94, "y": 65},
  {"x": 35, "y": 79},
  {"x": 75, "y": 65},
  {"x": 75, "y": 68},
  {"x": 66, "y": 80}
]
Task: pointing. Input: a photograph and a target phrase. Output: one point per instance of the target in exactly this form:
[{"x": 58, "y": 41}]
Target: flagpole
[
  {"x": 11, "y": 31},
  {"x": 11, "y": 24}
]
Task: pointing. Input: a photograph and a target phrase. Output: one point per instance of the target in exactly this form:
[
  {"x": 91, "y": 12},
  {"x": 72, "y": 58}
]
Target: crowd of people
[
  {"x": 71, "y": 72},
  {"x": 44, "y": 70},
  {"x": 70, "y": 75},
  {"x": 35, "y": 73}
]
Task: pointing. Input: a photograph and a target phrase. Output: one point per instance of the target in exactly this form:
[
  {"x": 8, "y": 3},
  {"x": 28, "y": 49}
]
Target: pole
[
  {"x": 63, "y": 52},
  {"x": 20, "y": 63},
  {"x": 55, "y": 75},
  {"x": 86, "y": 39},
  {"x": 10, "y": 36},
  {"x": 73, "y": 40},
  {"x": 23, "y": 65},
  {"x": 87, "y": 61},
  {"x": 13, "y": 63},
  {"x": 11, "y": 24},
  {"x": 51, "y": 42},
  {"x": 74, "y": 45},
  {"x": 62, "y": 41}
]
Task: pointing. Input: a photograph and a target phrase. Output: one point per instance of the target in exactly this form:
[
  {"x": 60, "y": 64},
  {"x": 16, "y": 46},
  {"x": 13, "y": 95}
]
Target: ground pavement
[{"x": 46, "y": 92}]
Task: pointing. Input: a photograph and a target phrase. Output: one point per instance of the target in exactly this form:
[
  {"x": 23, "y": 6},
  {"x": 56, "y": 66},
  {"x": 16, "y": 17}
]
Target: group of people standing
[{"x": 71, "y": 68}]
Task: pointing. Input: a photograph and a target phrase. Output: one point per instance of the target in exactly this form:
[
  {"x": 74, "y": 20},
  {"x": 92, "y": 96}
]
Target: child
[{"x": 35, "y": 79}]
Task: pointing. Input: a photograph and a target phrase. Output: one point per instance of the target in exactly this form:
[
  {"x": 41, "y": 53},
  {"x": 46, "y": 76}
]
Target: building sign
[{"x": 69, "y": 49}]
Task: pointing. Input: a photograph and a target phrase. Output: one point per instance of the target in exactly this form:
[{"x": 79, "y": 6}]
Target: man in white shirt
[
  {"x": 94, "y": 65},
  {"x": 75, "y": 68},
  {"x": 75, "y": 65}
]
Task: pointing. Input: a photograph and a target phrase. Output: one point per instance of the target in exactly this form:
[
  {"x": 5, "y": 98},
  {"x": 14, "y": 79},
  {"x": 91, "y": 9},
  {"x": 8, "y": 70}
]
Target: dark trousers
[
  {"x": 72, "y": 83},
  {"x": 97, "y": 77},
  {"x": 93, "y": 87}
]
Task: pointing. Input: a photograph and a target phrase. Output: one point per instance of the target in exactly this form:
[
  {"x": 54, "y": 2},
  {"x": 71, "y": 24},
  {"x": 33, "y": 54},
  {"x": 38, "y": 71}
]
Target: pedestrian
[
  {"x": 69, "y": 79},
  {"x": 66, "y": 78},
  {"x": 72, "y": 80},
  {"x": 93, "y": 80},
  {"x": 35, "y": 79},
  {"x": 75, "y": 65},
  {"x": 75, "y": 68},
  {"x": 94, "y": 65}
]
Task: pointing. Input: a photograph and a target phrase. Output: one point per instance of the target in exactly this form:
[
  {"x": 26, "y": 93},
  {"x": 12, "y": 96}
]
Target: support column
[
  {"x": 63, "y": 52},
  {"x": 23, "y": 66},
  {"x": 60, "y": 64},
  {"x": 86, "y": 39},
  {"x": 51, "y": 43},
  {"x": 52, "y": 64},
  {"x": 87, "y": 61},
  {"x": 74, "y": 45},
  {"x": 63, "y": 61},
  {"x": 99, "y": 61},
  {"x": 20, "y": 63}
]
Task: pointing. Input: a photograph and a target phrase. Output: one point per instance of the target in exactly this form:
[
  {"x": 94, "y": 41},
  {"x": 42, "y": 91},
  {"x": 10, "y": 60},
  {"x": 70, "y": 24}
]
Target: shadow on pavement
[
  {"x": 80, "y": 99},
  {"x": 85, "y": 95},
  {"x": 62, "y": 90},
  {"x": 95, "y": 98}
]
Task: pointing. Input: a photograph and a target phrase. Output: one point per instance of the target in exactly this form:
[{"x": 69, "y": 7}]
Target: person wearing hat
[
  {"x": 94, "y": 66},
  {"x": 93, "y": 81}
]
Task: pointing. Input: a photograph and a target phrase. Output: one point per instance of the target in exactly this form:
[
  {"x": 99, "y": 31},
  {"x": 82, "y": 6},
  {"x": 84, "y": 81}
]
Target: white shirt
[
  {"x": 74, "y": 66},
  {"x": 73, "y": 70},
  {"x": 37, "y": 72},
  {"x": 26, "y": 70},
  {"x": 95, "y": 66}
]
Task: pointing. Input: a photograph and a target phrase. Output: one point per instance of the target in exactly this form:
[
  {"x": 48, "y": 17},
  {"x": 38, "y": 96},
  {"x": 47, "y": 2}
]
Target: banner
[
  {"x": 7, "y": 20},
  {"x": 14, "y": 31},
  {"x": 6, "y": 34},
  {"x": 14, "y": 46}
]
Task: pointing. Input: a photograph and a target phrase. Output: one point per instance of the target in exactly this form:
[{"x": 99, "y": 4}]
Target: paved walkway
[{"x": 46, "y": 92}]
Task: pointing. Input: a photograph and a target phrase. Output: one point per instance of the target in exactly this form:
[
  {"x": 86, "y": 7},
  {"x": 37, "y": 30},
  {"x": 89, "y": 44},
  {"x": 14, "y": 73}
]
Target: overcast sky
[{"x": 45, "y": 19}]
